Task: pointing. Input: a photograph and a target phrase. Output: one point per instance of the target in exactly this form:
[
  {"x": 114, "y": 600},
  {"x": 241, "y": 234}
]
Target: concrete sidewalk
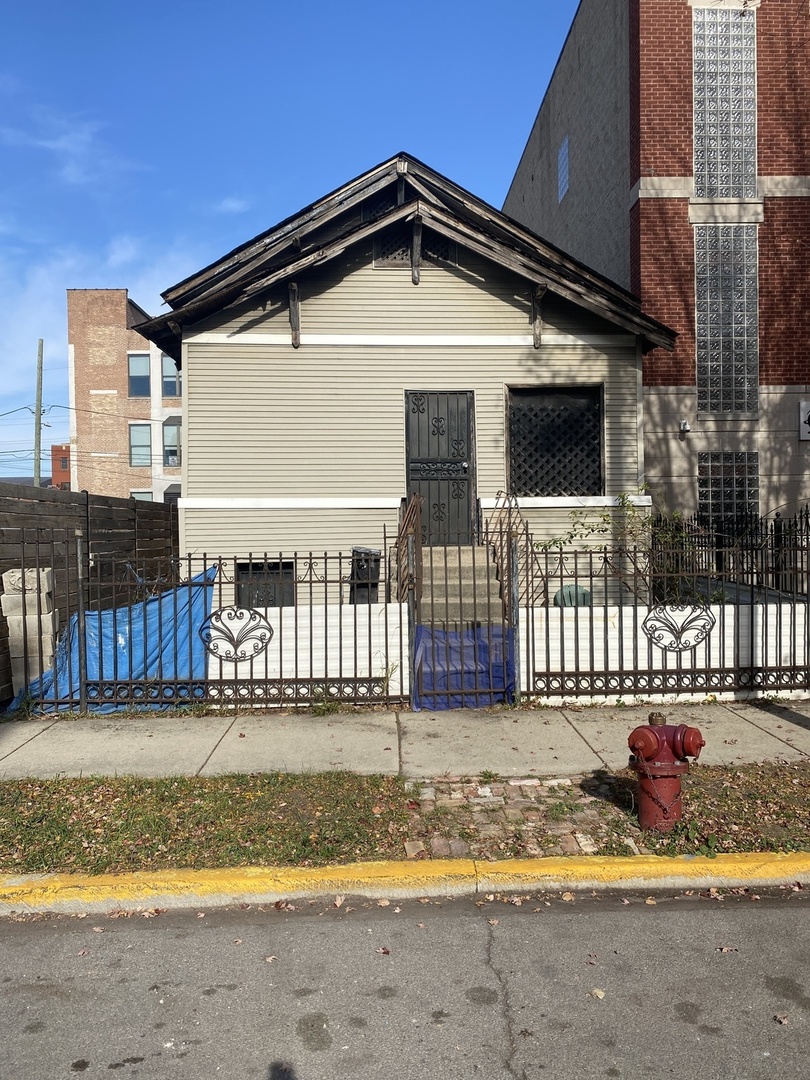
[{"x": 540, "y": 742}]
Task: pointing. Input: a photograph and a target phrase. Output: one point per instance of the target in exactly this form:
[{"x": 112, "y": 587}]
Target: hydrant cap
[{"x": 657, "y": 719}]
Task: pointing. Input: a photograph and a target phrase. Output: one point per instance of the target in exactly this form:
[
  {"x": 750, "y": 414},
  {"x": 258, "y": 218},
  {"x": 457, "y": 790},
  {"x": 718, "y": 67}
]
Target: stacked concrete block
[{"x": 33, "y": 623}]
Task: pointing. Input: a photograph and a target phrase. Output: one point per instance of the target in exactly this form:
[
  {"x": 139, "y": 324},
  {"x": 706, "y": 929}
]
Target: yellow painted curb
[
  {"x": 395, "y": 880},
  {"x": 252, "y": 884},
  {"x": 756, "y": 868}
]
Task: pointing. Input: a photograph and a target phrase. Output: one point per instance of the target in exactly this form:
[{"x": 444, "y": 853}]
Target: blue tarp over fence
[{"x": 143, "y": 656}]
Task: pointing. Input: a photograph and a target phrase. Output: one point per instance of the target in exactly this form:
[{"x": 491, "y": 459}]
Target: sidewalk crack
[
  {"x": 215, "y": 746},
  {"x": 27, "y": 741},
  {"x": 400, "y": 764},
  {"x": 576, "y": 730}
]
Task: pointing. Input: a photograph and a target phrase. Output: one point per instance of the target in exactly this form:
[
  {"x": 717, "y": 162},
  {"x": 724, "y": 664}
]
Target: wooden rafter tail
[
  {"x": 416, "y": 250},
  {"x": 538, "y": 293},
  {"x": 295, "y": 314}
]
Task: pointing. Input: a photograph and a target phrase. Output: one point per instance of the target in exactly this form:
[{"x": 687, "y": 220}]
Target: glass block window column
[
  {"x": 727, "y": 319},
  {"x": 728, "y": 486},
  {"x": 725, "y": 102}
]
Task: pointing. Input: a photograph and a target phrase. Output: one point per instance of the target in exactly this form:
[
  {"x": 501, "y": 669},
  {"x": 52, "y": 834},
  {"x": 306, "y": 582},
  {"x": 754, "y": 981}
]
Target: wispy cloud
[
  {"x": 122, "y": 251},
  {"x": 231, "y": 204},
  {"x": 80, "y": 153}
]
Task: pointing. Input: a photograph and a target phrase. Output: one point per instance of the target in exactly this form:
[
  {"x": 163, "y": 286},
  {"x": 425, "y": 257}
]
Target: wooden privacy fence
[
  {"x": 38, "y": 529},
  {"x": 690, "y": 613}
]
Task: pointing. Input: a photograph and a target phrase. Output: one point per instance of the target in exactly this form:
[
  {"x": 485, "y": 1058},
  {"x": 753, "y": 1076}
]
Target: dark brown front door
[{"x": 441, "y": 462}]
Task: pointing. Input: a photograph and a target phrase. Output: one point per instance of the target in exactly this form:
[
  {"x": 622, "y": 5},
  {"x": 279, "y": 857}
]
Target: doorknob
[{"x": 464, "y": 466}]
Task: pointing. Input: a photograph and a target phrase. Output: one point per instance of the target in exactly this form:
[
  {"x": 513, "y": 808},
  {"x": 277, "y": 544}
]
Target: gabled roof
[{"x": 327, "y": 228}]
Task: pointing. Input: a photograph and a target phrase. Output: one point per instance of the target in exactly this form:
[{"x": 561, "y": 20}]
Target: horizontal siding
[
  {"x": 239, "y": 533},
  {"x": 329, "y": 421}
]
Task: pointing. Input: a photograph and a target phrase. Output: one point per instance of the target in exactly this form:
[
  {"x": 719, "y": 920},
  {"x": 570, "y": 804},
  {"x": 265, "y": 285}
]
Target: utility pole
[{"x": 38, "y": 417}]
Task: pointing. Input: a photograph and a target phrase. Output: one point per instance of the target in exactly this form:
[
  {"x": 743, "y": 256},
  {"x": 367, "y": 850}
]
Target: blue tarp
[
  {"x": 464, "y": 669},
  {"x": 147, "y": 655}
]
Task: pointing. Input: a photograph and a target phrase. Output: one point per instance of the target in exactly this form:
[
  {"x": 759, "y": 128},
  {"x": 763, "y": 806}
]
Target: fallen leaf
[
  {"x": 339, "y": 901},
  {"x": 726, "y": 948},
  {"x": 83, "y": 952},
  {"x": 150, "y": 913},
  {"x": 781, "y": 1019},
  {"x": 493, "y": 922},
  {"x": 651, "y": 900},
  {"x": 625, "y": 900},
  {"x": 98, "y": 929},
  {"x": 567, "y": 896},
  {"x": 383, "y": 903},
  {"x": 597, "y": 993},
  {"x": 237, "y": 941},
  {"x": 376, "y": 809},
  {"x": 384, "y": 950},
  {"x": 270, "y": 959},
  {"x": 397, "y": 910},
  {"x": 200, "y": 914},
  {"x": 241, "y": 735},
  {"x": 420, "y": 926}
]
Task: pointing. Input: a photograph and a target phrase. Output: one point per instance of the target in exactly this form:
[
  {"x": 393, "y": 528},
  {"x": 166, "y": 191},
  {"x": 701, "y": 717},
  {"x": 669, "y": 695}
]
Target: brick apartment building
[
  {"x": 672, "y": 153},
  {"x": 125, "y": 399}
]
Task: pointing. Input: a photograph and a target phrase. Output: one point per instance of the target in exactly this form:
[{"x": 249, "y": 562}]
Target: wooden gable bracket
[
  {"x": 537, "y": 314},
  {"x": 416, "y": 249},
  {"x": 295, "y": 315}
]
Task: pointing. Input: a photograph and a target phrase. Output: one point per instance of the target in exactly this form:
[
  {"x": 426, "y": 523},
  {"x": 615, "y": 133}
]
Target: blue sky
[{"x": 138, "y": 142}]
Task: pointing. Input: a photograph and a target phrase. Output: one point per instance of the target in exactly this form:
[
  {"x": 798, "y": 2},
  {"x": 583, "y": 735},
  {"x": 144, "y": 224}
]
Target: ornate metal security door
[{"x": 441, "y": 463}]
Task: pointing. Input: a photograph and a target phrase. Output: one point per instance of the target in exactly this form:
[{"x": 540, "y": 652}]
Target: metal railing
[{"x": 692, "y": 610}]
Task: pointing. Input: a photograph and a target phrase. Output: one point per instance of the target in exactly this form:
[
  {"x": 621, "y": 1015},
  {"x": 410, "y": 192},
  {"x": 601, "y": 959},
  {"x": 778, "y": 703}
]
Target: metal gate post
[
  {"x": 514, "y": 604},
  {"x": 412, "y": 616},
  {"x": 80, "y": 625}
]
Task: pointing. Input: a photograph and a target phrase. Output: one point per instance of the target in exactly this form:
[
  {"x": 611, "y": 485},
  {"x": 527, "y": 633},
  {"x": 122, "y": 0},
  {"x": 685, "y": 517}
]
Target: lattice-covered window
[
  {"x": 726, "y": 318},
  {"x": 265, "y": 584},
  {"x": 555, "y": 441},
  {"x": 725, "y": 102},
  {"x": 728, "y": 485},
  {"x": 392, "y": 248}
]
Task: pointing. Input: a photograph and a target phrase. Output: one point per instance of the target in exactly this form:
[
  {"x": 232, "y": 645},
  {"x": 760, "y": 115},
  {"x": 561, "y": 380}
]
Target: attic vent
[{"x": 393, "y": 248}]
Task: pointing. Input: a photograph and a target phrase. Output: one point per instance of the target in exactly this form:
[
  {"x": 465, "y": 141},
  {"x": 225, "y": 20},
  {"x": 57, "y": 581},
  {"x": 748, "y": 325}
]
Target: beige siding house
[{"x": 400, "y": 335}]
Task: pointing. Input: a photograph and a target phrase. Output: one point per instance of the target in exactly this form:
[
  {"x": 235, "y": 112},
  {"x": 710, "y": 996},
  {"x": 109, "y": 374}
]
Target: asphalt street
[{"x": 611, "y": 986}]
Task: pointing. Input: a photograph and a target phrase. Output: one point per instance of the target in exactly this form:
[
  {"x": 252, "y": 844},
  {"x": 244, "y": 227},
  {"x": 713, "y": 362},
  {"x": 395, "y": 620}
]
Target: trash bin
[{"x": 365, "y": 575}]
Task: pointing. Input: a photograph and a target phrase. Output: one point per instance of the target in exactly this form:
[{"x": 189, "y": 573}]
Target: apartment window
[
  {"x": 725, "y": 102},
  {"x": 172, "y": 384},
  {"x": 171, "y": 443},
  {"x": 265, "y": 584},
  {"x": 726, "y": 319},
  {"x": 63, "y": 463},
  {"x": 140, "y": 445},
  {"x": 555, "y": 441},
  {"x": 141, "y": 496},
  {"x": 562, "y": 169},
  {"x": 728, "y": 485},
  {"x": 139, "y": 383}
]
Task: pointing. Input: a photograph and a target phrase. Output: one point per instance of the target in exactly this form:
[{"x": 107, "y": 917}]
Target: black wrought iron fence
[{"x": 692, "y": 610}]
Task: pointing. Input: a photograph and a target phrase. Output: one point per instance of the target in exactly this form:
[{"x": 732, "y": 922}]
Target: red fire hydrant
[{"x": 658, "y": 758}]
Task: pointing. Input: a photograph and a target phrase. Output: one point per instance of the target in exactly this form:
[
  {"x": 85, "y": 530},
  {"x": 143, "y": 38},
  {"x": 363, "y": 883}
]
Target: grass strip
[{"x": 102, "y": 825}]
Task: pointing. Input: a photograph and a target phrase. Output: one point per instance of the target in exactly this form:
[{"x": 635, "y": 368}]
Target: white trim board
[
  {"x": 424, "y": 340},
  {"x": 362, "y": 502}
]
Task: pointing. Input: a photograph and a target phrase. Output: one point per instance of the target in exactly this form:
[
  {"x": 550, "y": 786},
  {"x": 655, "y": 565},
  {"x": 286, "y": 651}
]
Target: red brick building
[
  {"x": 126, "y": 402},
  {"x": 60, "y": 466},
  {"x": 672, "y": 153}
]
